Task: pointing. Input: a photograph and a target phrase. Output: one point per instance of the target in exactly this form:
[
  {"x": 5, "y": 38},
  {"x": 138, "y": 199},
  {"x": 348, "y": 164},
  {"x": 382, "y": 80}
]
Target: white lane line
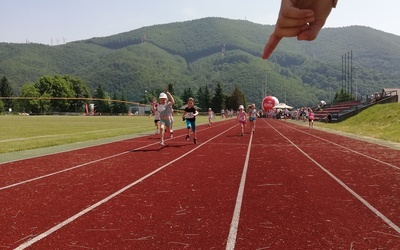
[
  {"x": 230, "y": 244},
  {"x": 81, "y": 165},
  {"x": 349, "y": 149},
  {"x": 366, "y": 203},
  {"x": 90, "y": 208},
  {"x": 72, "y": 168},
  {"x": 59, "y": 135}
]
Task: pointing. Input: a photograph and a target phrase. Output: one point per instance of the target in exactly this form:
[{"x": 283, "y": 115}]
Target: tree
[
  {"x": 200, "y": 101},
  {"x": 114, "y": 105},
  {"x": 81, "y": 90},
  {"x": 123, "y": 107},
  {"x": 103, "y": 105},
  {"x": 119, "y": 106},
  {"x": 237, "y": 98},
  {"x": 148, "y": 97},
  {"x": 31, "y": 105},
  {"x": 207, "y": 98},
  {"x": 178, "y": 102},
  {"x": 1, "y": 106},
  {"x": 343, "y": 96},
  {"x": 56, "y": 88},
  {"x": 218, "y": 99},
  {"x": 187, "y": 93},
  {"x": 61, "y": 93},
  {"x": 171, "y": 88},
  {"x": 6, "y": 90}
]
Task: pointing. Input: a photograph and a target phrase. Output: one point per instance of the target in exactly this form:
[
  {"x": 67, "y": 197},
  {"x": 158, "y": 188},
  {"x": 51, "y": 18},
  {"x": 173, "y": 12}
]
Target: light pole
[{"x": 355, "y": 81}]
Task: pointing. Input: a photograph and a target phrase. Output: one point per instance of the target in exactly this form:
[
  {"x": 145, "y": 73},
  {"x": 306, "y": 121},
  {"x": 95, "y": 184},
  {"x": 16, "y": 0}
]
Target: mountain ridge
[{"x": 210, "y": 50}]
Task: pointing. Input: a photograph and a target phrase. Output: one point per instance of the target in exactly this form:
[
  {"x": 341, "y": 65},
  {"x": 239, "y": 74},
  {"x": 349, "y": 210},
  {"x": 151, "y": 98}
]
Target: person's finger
[
  {"x": 271, "y": 45},
  {"x": 277, "y": 36},
  {"x": 290, "y": 31},
  {"x": 312, "y": 31},
  {"x": 296, "y": 13},
  {"x": 294, "y": 22}
]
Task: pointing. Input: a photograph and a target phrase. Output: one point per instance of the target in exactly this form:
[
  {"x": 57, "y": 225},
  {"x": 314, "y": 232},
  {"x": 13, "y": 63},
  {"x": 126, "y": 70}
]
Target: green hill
[{"x": 210, "y": 50}]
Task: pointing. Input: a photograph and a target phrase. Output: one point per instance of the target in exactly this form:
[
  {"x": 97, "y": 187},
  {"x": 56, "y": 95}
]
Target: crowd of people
[{"x": 163, "y": 117}]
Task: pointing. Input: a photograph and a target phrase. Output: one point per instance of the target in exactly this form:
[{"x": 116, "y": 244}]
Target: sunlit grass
[
  {"x": 29, "y": 132},
  {"x": 380, "y": 121}
]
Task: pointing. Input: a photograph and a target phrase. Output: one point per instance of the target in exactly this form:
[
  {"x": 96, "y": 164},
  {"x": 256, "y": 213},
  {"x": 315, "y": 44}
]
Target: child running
[
  {"x": 189, "y": 115},
  {"x": 171, "y": 132},
  {"x": 210, "y": 116},
  {"x": 165, "y": 109},
  {"x": 156, "y": 114},
  {"x": 241, "y": 118},
  {"x": 253, "y": 117},
  {"x": 310, "y": 118}
]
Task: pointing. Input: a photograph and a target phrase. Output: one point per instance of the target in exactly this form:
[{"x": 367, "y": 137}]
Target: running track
[{"x": 284, "y": 187}]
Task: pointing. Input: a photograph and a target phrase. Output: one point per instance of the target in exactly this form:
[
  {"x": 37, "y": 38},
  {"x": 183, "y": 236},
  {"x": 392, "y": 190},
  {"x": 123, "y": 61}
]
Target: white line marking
[
  {"x": 144, "y": 134},
  {"x": 60, "y": 135},
  {"x": 72, "y": 168},
  {"x": 349, "y": 149},
  {"x": 230, "y": 244},
  {"x": 88, "y": 209},
  {"x": 81, "y": 165},
  {"x": 366, "y": 203}
]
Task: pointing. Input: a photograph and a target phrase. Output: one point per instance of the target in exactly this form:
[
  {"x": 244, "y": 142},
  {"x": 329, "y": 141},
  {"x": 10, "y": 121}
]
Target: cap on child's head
[
  {"x": 163, "y": 95},
  {"x": 241, "y": 107}
]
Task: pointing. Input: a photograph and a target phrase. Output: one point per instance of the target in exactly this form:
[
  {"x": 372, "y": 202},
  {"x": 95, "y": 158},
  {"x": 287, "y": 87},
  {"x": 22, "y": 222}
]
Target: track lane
[
  {"x": 75, "y": 190},
  {"x": 190, "y": 203},
  {"x": 298, "y": 205},
  {"x": 361, "y": 166},
  {"x": 19, "y": 172},
  {"x": 172, "y": 208}
]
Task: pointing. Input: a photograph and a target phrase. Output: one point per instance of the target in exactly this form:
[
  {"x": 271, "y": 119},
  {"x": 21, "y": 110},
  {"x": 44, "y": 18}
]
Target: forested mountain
[{"x": 210, "y": 51}]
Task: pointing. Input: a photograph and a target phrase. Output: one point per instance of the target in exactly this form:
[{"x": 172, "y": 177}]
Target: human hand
[{"x": 298, "y": 18}]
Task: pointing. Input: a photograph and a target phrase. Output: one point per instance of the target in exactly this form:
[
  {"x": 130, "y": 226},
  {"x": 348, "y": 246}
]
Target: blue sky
[{"x": 59, "y": 21}]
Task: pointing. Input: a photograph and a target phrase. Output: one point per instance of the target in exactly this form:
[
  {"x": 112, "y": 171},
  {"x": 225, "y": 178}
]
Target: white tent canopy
[{"x": 283, "y": 106}]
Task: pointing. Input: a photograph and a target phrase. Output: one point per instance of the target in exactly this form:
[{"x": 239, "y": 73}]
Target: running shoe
[
  {"x": 162, "y": 143},
  {"x": 187, "y": 137},
  {"x": 195, "y": 140}
]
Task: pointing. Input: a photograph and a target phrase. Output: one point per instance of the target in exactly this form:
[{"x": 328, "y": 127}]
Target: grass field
[
  {"x": 379, "y": 121},
  {"x": 29, "y": 132}
]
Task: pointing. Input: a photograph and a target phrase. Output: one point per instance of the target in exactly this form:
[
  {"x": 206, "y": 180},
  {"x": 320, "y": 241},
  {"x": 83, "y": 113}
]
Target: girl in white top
[
  {"x": 241, "y": 118},
  {"x": 210, "y": 116},
  {"x": 253, "y": 117},
  {"x": 165, "y": 109}
]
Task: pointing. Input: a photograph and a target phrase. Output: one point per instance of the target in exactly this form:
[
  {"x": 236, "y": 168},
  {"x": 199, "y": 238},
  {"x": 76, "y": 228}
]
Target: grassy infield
[{"x": 28, "y": 132}]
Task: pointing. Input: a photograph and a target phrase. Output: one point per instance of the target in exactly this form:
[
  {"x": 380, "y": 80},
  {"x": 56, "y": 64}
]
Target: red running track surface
[{"x": 283, "y": 187}]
